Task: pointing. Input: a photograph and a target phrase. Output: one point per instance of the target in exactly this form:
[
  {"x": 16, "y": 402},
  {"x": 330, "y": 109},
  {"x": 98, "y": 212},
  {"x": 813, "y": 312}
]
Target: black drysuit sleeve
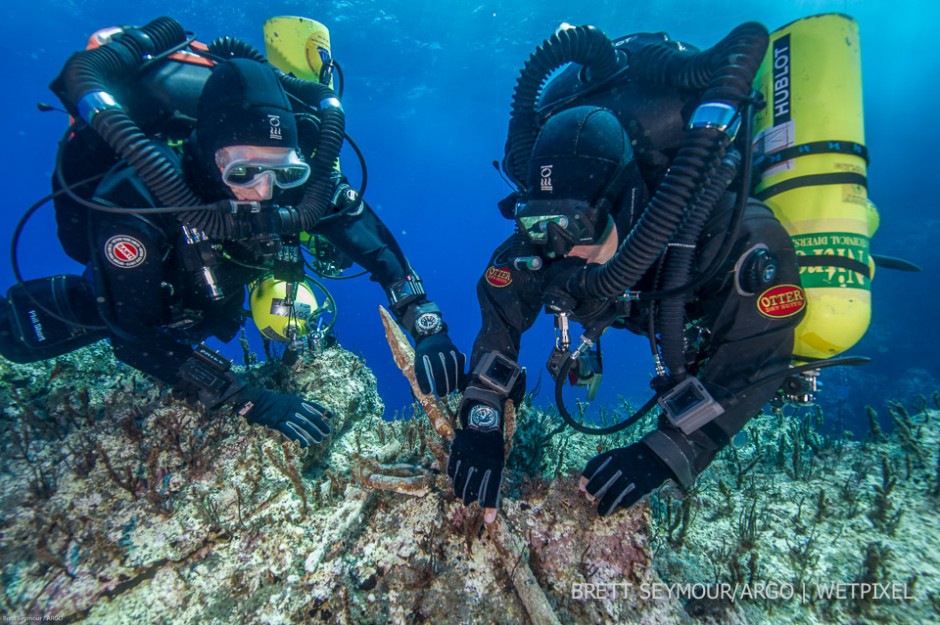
[
  {"x": 510, "y": 302},
  {"x": 359, "y": 234},
  {"x": 130, "y": 264},
  {"x": 745, "y": 344},
  {"x": 155, "y": 309}
]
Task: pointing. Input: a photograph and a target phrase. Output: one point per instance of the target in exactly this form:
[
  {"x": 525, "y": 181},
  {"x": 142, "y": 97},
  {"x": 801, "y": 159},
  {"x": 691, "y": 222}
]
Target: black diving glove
[
  {"x": 621, "y": 477},
  {"x": 207, "y": 375},
  {"x": 303, "y": 421},
  {"x": 439, "y": 365},
  {"x": 475, "y": 463}
]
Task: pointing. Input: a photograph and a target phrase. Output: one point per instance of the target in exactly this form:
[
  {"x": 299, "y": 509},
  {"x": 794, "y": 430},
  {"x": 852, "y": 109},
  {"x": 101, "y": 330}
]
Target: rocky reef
[
  {"x": 120, "y": 503},
  {"x": 123, "y": 504}
]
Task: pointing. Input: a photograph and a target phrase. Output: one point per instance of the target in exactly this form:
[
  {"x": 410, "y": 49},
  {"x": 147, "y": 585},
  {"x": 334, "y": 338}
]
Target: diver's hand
[
  {"x": 303, "y": 421},
  {"x": 439, "y": 365},
  {"x": 620, "y": 477},
  {"x": 475, "y": 463}
]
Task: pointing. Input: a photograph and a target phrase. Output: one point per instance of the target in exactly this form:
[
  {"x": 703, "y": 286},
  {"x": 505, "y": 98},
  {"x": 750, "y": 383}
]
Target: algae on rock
[{"x": 122, "y": 504}]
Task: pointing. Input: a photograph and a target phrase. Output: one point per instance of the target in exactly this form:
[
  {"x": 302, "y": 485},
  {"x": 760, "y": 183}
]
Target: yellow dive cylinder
[
  {"x": 299, "y": 46},
  {"x": 275, "y": 318},
  {"x": 810, "y": 168}
]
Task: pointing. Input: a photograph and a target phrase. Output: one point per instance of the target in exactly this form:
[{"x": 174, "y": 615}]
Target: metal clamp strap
[
  {"x": 94, "y": 102},
  {"x": 718, "y": 115}
]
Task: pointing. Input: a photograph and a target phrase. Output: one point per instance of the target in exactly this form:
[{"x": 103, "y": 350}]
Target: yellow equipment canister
[
  {"x": 299, "y": 46},
  {"x": 810, "y": 168},
  {"x": 278, "y": 317}
]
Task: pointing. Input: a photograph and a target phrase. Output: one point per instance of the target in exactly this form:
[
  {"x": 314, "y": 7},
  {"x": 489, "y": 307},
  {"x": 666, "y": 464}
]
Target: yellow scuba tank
[
  {"x": 299, "y": 46},
  {"x": 810, "y": 165},
  {"x": 275, "y": 319}
]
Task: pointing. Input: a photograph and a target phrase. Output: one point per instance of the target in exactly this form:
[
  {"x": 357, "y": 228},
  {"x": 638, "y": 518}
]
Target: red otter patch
[
  {"x": 781, "y": 301},
  {"x": 498, "y": 277}
]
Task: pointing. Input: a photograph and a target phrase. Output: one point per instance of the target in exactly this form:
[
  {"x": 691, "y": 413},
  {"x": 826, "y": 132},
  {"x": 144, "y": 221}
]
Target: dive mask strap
[{"x": 614, "y": 188}]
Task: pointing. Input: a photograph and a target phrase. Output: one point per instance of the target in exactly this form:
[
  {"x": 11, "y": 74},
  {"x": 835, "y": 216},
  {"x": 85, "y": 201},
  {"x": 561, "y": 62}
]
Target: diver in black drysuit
[
  {"x": 141, "y": 280},
  {"x": 586, "y": 186}
]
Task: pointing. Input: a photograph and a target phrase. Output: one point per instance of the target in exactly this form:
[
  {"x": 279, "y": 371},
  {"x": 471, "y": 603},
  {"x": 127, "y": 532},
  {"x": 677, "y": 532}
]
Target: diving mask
[
  {"x": 246, "y": 166},
  {"x": 559, "y": 225}
]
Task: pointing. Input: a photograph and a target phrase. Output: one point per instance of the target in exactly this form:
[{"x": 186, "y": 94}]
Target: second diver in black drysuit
[{"x": 625, "y": 190}]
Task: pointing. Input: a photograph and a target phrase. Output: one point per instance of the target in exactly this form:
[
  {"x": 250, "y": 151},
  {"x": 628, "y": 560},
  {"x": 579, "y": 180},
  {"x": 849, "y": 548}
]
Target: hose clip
[
  {"x": 717, "y": 115},
  {"x": 330, "y": 103},
  {"x": 240, "y": 206},
  {"x": 562, "y": 336},
  {"x": 94, "y": 102}
]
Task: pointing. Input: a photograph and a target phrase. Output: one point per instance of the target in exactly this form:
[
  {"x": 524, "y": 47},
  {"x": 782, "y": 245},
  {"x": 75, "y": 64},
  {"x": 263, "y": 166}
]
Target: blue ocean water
[{"x": 427, "y": 95}]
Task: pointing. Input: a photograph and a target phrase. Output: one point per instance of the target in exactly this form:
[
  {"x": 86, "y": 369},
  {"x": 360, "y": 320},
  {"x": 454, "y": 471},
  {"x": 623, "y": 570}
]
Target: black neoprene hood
[
  {"x": 243, "y": 103},
  {"x": 575, "y": 156}
]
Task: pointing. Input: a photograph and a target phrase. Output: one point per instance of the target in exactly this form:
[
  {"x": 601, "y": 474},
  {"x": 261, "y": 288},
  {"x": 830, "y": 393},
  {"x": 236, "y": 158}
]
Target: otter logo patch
[
  {"x": 498, "y": 277},
  {"x": 781, "y": 301},
  {"x": 124, "y": 251}
]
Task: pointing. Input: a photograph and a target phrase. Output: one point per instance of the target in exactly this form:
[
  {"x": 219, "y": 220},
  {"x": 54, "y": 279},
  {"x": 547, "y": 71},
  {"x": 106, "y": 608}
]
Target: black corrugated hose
[
  {"x": 585, "y": 45},
  {"x": 739, "y": 54},
  {"x": 678, "y": 268},
  {"x": 94, "y": 70}
]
